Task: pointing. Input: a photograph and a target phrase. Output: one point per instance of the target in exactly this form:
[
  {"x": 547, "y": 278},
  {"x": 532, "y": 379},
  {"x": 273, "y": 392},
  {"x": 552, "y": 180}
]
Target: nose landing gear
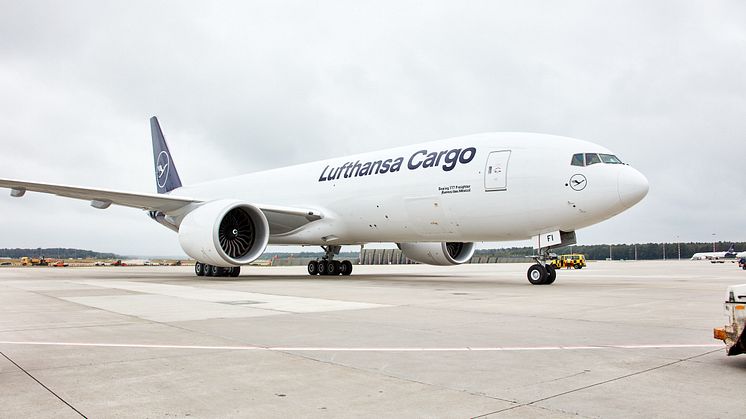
[
  {"x": 542, "y": 273},
  {"x": 327, "y": 265}
]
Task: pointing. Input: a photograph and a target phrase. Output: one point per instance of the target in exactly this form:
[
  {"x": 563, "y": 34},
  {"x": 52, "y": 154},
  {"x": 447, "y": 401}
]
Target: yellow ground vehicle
[
  {"x": 575, "y": 260},
  {"x": 26, "y": 261}
]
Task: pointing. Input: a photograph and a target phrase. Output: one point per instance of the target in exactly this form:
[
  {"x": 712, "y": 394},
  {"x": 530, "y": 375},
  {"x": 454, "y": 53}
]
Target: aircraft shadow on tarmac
[{"x": 399, "y": 278}]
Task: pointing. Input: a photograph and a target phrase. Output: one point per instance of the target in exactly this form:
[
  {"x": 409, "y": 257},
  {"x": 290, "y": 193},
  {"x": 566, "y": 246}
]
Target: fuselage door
[{"x": 496, "y": 171}]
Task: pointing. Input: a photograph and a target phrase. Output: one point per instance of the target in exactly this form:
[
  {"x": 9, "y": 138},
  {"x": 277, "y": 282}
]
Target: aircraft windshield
[
  {"x": 587, "y": 159},
  {"x": 591, "y": 158},
  {"x": 610, "y": 159}
]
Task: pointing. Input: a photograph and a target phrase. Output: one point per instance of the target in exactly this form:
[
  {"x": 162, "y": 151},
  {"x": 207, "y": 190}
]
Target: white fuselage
[
  {"x": 461, "y": 193},
  {"x": 717, "y": 255}
]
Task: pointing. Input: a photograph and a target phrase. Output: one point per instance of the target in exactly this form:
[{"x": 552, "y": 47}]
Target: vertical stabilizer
[{"x": 166, "y": 176}]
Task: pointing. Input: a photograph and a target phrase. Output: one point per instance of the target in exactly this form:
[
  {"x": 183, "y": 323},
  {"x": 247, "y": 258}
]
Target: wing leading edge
[{"x": 281, "y": 219}]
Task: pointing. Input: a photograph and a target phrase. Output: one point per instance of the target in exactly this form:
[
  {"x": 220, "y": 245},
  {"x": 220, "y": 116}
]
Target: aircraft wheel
[
  {"x": 207, "y": 269},
  {"x": 216, "y": 271},
  {"x": 536, "y": 274},
  {"x": 551, "y": 275},
  {"x": 332, "y": 267},
  {"x": 313, "y": 267},
  {"x": 199, "y": 269},
  {"x": 235, "y": 271},
  {"x": 322, "y": 267},
  {"x": 346, "y": 268}
]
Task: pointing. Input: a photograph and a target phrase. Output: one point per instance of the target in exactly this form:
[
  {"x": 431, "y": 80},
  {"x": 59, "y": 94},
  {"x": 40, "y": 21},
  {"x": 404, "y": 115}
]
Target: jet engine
[
  {"x": 224, "y": 233},
  {"x": 445, "y": 253}
]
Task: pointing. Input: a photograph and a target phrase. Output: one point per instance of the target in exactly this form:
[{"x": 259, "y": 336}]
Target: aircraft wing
[
  {"x": 281, "y": 219},
  {"x": 151, "y": 202}
]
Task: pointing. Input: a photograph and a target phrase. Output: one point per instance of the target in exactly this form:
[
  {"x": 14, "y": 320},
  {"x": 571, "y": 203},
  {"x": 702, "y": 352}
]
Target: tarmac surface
[{"x": 617, "y": 339}]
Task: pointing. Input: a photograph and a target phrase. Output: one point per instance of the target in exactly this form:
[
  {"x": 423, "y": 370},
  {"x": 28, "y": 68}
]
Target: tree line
[
  {"x": 56, "y": 252},
  {"x": 638, "y": 251}
]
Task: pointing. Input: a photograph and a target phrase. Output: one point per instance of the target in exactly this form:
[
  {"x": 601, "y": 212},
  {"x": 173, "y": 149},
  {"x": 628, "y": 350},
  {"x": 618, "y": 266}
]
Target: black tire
[
  {"x": 199, "y": 269},
  {"x": 235, "y": 271},
  {"x": 207, "y": 270},
  {"x": 313, "y": 267},
  {"x": 346, "y": 268},
  {"x": 579, "y": 267},
  {"x": 322, "y": 267},
  {"x": 551, "y": 275},
  {"x": 332, "y": 267},
  {"x": 217, "y": 271},
  {"x": 536, "y": 274}
]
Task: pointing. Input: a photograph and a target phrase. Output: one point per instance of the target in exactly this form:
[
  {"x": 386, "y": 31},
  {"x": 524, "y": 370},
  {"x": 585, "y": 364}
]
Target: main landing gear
[
  {"x": 328, "y": 266},
  {"x": 541, "y": 273},
  {"x": 203, "y": 269}
]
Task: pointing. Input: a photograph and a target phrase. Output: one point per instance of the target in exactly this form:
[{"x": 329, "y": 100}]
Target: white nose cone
[{"x": 633, "y": 186}]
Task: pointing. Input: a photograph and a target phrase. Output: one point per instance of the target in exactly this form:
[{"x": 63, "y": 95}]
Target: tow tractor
[{"x": 735, "y": 308}]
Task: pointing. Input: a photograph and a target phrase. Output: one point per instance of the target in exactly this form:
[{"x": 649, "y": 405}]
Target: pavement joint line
[
  {"x": 42, "y": 384},
  {"x": 119, "y": 362},
  {"x": 43, "y": 327},
  {"x": 363, "y": 349},
  {"x": 611, "y": 380},
  {"x": 397, "y": 377}
]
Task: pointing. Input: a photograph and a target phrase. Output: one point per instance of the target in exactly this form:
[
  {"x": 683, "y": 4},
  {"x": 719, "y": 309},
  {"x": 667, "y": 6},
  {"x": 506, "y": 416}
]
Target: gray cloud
[{"x": 244, "y": 87}]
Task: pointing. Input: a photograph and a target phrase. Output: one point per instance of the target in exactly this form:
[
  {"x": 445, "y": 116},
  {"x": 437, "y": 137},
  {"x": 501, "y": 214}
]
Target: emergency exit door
[{"x": 496, "y": 171}]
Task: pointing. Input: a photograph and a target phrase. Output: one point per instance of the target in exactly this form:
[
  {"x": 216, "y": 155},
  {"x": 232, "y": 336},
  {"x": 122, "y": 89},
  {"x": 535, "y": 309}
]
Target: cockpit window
[
  {"x": 591, "y": 158},
  {"x": 610, "y": 159},
  {"x": 587, "y": 159}
]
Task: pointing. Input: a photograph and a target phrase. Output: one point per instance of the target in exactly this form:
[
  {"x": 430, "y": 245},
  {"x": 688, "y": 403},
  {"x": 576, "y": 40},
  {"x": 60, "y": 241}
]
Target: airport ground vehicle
[
  {"x": 742, "y": 263},
  {"x": 733, "y": 334},
  {"x": 27, "y": 261},
  {"x": 58, "y": 264},
  {"x": 574, "y": 261}
]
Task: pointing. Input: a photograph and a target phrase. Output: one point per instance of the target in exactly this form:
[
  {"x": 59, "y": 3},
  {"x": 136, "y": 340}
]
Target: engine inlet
[{"x": 236, "y": 233}]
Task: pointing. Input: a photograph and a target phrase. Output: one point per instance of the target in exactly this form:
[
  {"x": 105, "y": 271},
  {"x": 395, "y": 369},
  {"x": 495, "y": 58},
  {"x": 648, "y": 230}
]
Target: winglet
[{"x": 166, "y": 176}]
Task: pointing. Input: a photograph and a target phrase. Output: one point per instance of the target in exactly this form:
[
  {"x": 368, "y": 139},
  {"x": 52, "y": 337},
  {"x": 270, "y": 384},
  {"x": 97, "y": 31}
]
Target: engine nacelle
[
  {"x": 445, "y": 253},
  {"x": 224, "y": 233}
]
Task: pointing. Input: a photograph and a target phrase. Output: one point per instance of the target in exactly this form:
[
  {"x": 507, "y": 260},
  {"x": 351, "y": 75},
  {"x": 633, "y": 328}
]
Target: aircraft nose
[{"x": 632, "y": 185}]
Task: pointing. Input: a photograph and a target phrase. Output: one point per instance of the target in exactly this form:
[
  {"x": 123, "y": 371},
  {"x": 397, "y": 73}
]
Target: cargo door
[{"x": 496, "y": 171}]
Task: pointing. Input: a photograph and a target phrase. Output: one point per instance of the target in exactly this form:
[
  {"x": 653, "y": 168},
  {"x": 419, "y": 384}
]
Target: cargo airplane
[{"x": 434, "y": 200}]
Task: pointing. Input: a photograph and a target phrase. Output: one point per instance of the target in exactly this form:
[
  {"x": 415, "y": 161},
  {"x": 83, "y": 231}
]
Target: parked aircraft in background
[
  {"x": 433, "y": 199},
  {"x": 729, "y": 254}
]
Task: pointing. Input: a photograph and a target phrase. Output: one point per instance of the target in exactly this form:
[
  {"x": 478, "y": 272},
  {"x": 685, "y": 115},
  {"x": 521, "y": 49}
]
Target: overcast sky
[{"x": 258, "y": 85}]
